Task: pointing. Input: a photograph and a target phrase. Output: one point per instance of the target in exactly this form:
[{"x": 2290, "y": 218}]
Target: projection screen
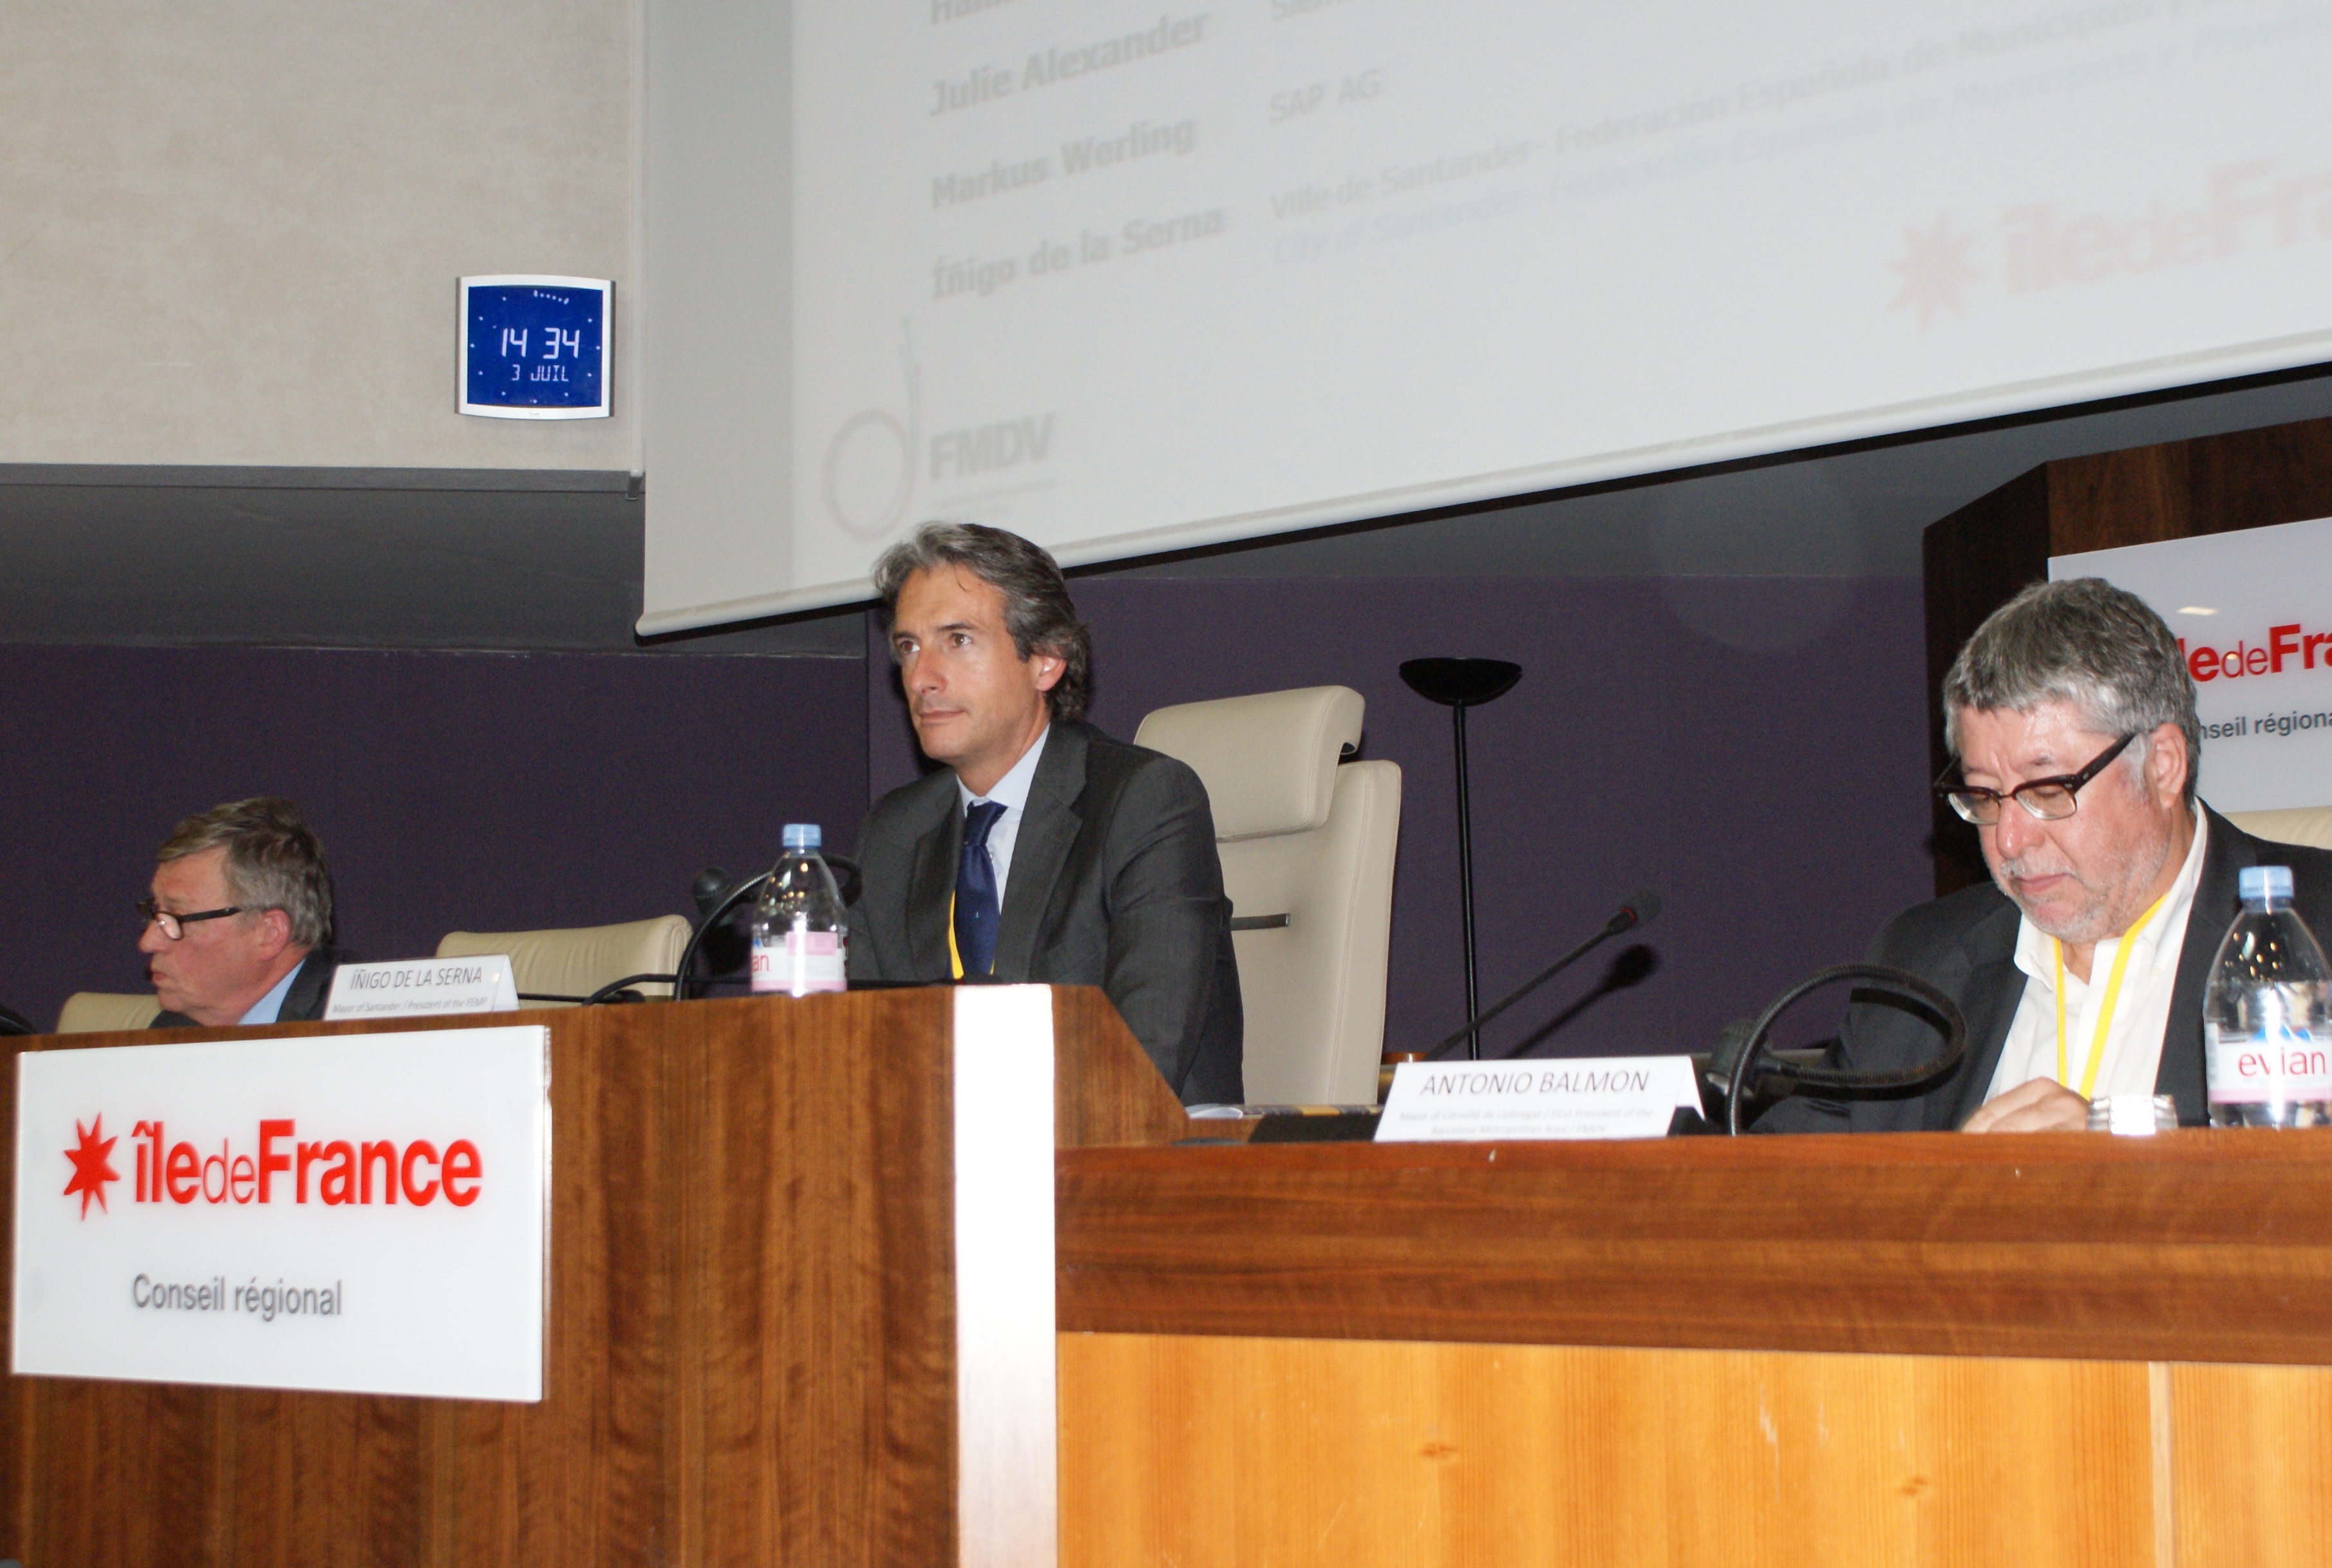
[{"x": 1130, "y": 277}]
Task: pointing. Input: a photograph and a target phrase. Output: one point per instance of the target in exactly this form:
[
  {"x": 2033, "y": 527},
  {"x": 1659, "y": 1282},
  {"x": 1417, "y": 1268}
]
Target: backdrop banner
[{"x": 2253, "y": 614}]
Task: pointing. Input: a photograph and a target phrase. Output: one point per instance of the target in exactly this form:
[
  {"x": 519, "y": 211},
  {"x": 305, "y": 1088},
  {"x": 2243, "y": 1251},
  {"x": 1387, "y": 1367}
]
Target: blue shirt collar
[
  {"x": 269, "y": 1008},
  {"x": 1012, "y": 789}
]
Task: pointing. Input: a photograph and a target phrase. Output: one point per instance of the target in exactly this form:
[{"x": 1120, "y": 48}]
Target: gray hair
[
  {"x": 2086, "y": 642},
  {"x": 273, "y": 860},
  {"x": 1037, "y": 611}
]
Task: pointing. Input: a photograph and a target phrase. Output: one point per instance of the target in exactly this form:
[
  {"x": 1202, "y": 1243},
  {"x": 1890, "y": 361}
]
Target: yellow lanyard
[{"x": 2105, "y": 1014}]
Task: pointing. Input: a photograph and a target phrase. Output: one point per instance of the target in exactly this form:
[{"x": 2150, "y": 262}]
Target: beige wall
[{"x": 230, "y": 228}]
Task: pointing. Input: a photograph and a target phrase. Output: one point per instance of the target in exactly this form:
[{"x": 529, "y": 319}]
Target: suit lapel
[
  {"x": 305, "y": 999},
  {"x": 1048, "y": 827},
  {"x": 931, "y": 884},
  {"x": 1994, "y": 990},
  {"x": 2181, "y": 1073}
]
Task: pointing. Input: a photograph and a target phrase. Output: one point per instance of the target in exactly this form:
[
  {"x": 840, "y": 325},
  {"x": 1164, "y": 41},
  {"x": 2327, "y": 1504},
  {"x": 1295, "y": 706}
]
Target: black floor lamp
[{"x": 1459, "y": 684}]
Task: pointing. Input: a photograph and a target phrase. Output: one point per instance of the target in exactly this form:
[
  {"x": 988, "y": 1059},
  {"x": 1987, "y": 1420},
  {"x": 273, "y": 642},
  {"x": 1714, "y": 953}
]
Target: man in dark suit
[
  {"x": 2080, "y": 969},
  {"x": 236, "y": 925},
  {"x": 1042, "y": 849}
]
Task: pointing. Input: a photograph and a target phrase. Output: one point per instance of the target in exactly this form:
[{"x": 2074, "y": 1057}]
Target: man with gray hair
[
  {"x": 1042, "y": 849},
  {"x": 237, "y": 925},
  {"x": 2080, "y": 968}
]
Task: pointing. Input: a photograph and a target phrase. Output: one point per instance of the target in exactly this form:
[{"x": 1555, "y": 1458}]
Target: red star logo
[
  {"x": 1934, "y": 268},
  {"x": 90, "y": 1171}
]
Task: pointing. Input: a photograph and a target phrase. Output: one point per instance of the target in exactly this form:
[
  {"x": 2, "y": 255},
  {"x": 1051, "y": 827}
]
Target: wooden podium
[
  {"x": 751, "y": 1351},
  {"x": 783, "y": 1322}
]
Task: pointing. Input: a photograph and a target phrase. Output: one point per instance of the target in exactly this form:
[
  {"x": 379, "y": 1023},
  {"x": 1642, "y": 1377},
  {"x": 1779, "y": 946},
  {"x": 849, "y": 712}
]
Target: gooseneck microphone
[{"x": 1636, "y": 911}]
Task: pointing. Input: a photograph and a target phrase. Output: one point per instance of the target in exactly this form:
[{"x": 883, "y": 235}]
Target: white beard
[{"x": 2114, "y": 889}]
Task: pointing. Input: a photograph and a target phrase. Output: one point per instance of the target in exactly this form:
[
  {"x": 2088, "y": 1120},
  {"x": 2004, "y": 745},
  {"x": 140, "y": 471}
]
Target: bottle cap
[
  {"x": 2258, "y": 882},
  {"x": 801, "y": 836}
]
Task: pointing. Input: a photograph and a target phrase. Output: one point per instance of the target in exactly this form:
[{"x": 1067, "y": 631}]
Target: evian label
[
  {"x": 362, "y": 1213},
  {"x": 801, "y": 961},
  {"x": 2275, "y": 1066}
]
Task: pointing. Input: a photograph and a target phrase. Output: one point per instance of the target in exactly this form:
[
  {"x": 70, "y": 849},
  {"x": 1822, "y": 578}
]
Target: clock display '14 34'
[{"x": 536, "y": 347}]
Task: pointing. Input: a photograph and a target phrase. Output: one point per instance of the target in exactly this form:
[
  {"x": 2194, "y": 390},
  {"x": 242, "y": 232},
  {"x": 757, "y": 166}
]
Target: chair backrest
[
  {"x": 1305, "y": 839},
  {"x": 577, "y": 962},
  {"x": 2310, "y": 825},
  {"x": 106, "y": 1012}
]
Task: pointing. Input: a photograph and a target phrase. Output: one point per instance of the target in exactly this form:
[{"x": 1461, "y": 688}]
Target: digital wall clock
[{"x": 536, "y": 347}]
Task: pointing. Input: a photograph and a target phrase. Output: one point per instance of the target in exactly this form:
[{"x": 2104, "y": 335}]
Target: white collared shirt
[
  {"x": 1011, "y": 791},
  {"x": 2133, "y": 1044}
]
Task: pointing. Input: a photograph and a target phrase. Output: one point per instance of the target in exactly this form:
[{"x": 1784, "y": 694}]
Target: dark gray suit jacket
[
  {"x": 1965, "y": 946},
  {"x": 311, "y": 987},
  {"x": 1114, "y": 882}
]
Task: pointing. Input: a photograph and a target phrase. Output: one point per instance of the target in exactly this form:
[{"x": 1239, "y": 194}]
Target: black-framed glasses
[
  {"x": 173, "y": 926},
  {"x": 2052, "y": 800}
]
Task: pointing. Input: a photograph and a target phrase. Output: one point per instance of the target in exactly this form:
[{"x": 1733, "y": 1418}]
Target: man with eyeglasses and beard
[
  {"x": 236, "y": 927},
  {"x": 2080, "y": 969}
]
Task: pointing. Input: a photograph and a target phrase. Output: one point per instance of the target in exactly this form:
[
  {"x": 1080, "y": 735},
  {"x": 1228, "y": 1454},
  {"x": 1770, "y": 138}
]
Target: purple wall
[
  {"x": 1755, "y": 748},
  {"x": 477, "y": 790}
]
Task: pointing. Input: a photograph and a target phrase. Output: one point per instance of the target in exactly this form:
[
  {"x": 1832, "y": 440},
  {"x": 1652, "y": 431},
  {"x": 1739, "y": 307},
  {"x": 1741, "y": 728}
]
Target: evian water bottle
[
  {"x": 801, "y": 935},
  {"x": 2266, "y": 1029}
]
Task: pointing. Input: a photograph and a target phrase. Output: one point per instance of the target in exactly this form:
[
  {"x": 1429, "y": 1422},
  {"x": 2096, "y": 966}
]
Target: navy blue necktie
[{"x": 976, "y": 912}]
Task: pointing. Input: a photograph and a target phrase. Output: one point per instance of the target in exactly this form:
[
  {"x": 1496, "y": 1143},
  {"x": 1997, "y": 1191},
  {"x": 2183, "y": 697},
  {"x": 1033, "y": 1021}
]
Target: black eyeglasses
[
  {"x": 173, "y": 926},
  {"x": 2049, "y": 799}
]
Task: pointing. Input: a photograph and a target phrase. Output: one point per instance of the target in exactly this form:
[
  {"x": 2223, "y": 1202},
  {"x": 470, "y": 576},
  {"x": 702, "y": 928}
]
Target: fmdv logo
[{"x": 979, "y": 448}]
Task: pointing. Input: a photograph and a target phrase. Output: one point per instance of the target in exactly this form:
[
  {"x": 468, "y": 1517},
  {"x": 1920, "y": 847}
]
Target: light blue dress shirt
[{"x": 268, "y": 1008}]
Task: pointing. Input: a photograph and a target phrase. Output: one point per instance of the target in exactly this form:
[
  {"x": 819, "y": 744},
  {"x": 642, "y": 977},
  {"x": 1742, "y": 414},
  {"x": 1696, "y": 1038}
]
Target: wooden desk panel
[
  {"x": 1216, "y": 1452},
  {"x": 2251, "y": 1466},
  {"x": 2191, "y": 1245},
  {"x": 1390, "y": 1355},
  {"x": 1219, "y": 1452}
]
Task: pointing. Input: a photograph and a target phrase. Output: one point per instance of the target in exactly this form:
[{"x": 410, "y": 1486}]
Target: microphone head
[
  {"x": 712, "y": 886},
  {"x": 1639, "y": 909}
]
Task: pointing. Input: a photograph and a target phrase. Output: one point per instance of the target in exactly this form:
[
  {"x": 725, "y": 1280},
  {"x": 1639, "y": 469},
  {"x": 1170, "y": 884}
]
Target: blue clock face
[{"x": 535, "y": 345}]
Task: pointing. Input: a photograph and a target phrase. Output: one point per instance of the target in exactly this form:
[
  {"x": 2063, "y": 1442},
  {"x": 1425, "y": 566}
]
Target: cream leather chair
[
  {"x": 2310, "y": 825},
  {"x": 106, "y": 1012},
  {"x": 1307, "y": 851},
  {"x": 577, "y": 962}
]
